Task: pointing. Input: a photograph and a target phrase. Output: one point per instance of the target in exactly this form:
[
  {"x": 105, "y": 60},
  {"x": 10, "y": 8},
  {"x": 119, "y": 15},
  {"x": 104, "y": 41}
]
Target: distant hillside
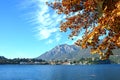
[
  {"x": 65, "y": 51},
  {"x": 72, "y": 52},
  {"x": 2, "y": 57},
  {"x": 116, "y": 57}
]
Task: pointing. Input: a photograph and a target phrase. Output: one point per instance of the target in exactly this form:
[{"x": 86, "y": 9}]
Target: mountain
[
  {"x": 71, "y": 52},
  {"x": 2, "y": 57},
  {"x": 64, "y": 51}
]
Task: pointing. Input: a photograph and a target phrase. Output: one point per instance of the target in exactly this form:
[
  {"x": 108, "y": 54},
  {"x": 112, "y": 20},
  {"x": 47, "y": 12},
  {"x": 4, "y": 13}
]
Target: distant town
[{"x": 28, "y": 61}]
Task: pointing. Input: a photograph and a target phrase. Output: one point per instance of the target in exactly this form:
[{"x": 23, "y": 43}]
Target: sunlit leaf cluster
[{"x": 97, "y": 20}]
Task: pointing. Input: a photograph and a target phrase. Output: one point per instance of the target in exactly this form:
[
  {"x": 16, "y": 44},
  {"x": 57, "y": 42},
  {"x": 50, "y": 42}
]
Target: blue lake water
[{"x": 59, "y": 72}]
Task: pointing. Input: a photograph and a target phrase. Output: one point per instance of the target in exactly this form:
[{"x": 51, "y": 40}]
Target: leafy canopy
[{"x": 97, "y": 20}]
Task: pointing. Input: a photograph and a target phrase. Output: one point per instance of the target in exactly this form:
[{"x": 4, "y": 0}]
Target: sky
[{"x": 29, "y": 28}]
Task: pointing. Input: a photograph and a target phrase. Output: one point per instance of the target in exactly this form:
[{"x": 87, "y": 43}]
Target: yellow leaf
[{"x": 118, "y": 14}]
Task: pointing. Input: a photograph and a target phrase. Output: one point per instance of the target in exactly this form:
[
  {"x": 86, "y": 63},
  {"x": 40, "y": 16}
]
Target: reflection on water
[{"x": 50, "y": 72}]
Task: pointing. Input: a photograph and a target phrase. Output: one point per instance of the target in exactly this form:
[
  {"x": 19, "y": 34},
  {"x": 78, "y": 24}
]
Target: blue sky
[{"x": 29, "y": 28}]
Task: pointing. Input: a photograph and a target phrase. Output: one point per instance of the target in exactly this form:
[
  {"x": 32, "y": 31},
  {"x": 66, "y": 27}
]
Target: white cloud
[
  {"x": 50, "y": 41},
  {"x": 58, "y": 37},
  {"x": 45, "y": 33},
  {"x": 45, "y": 18}
]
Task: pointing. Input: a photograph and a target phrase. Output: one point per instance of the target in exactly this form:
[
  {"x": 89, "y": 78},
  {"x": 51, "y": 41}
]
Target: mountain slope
[
  {"x": 71, "y": 52},
  {"x": 65, "y": 51}
]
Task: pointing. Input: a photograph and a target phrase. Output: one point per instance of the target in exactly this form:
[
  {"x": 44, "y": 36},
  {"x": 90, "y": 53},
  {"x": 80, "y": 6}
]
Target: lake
[{"x": 59, "y": 72}]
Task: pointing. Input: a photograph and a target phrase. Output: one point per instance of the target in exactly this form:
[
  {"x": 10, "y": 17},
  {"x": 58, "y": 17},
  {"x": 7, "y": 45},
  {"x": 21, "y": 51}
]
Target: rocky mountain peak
[{"x": 64, "y": 51}]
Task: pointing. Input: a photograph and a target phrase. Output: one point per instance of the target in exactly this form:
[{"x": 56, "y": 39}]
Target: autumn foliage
[{"x": 97, "y": 20}]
